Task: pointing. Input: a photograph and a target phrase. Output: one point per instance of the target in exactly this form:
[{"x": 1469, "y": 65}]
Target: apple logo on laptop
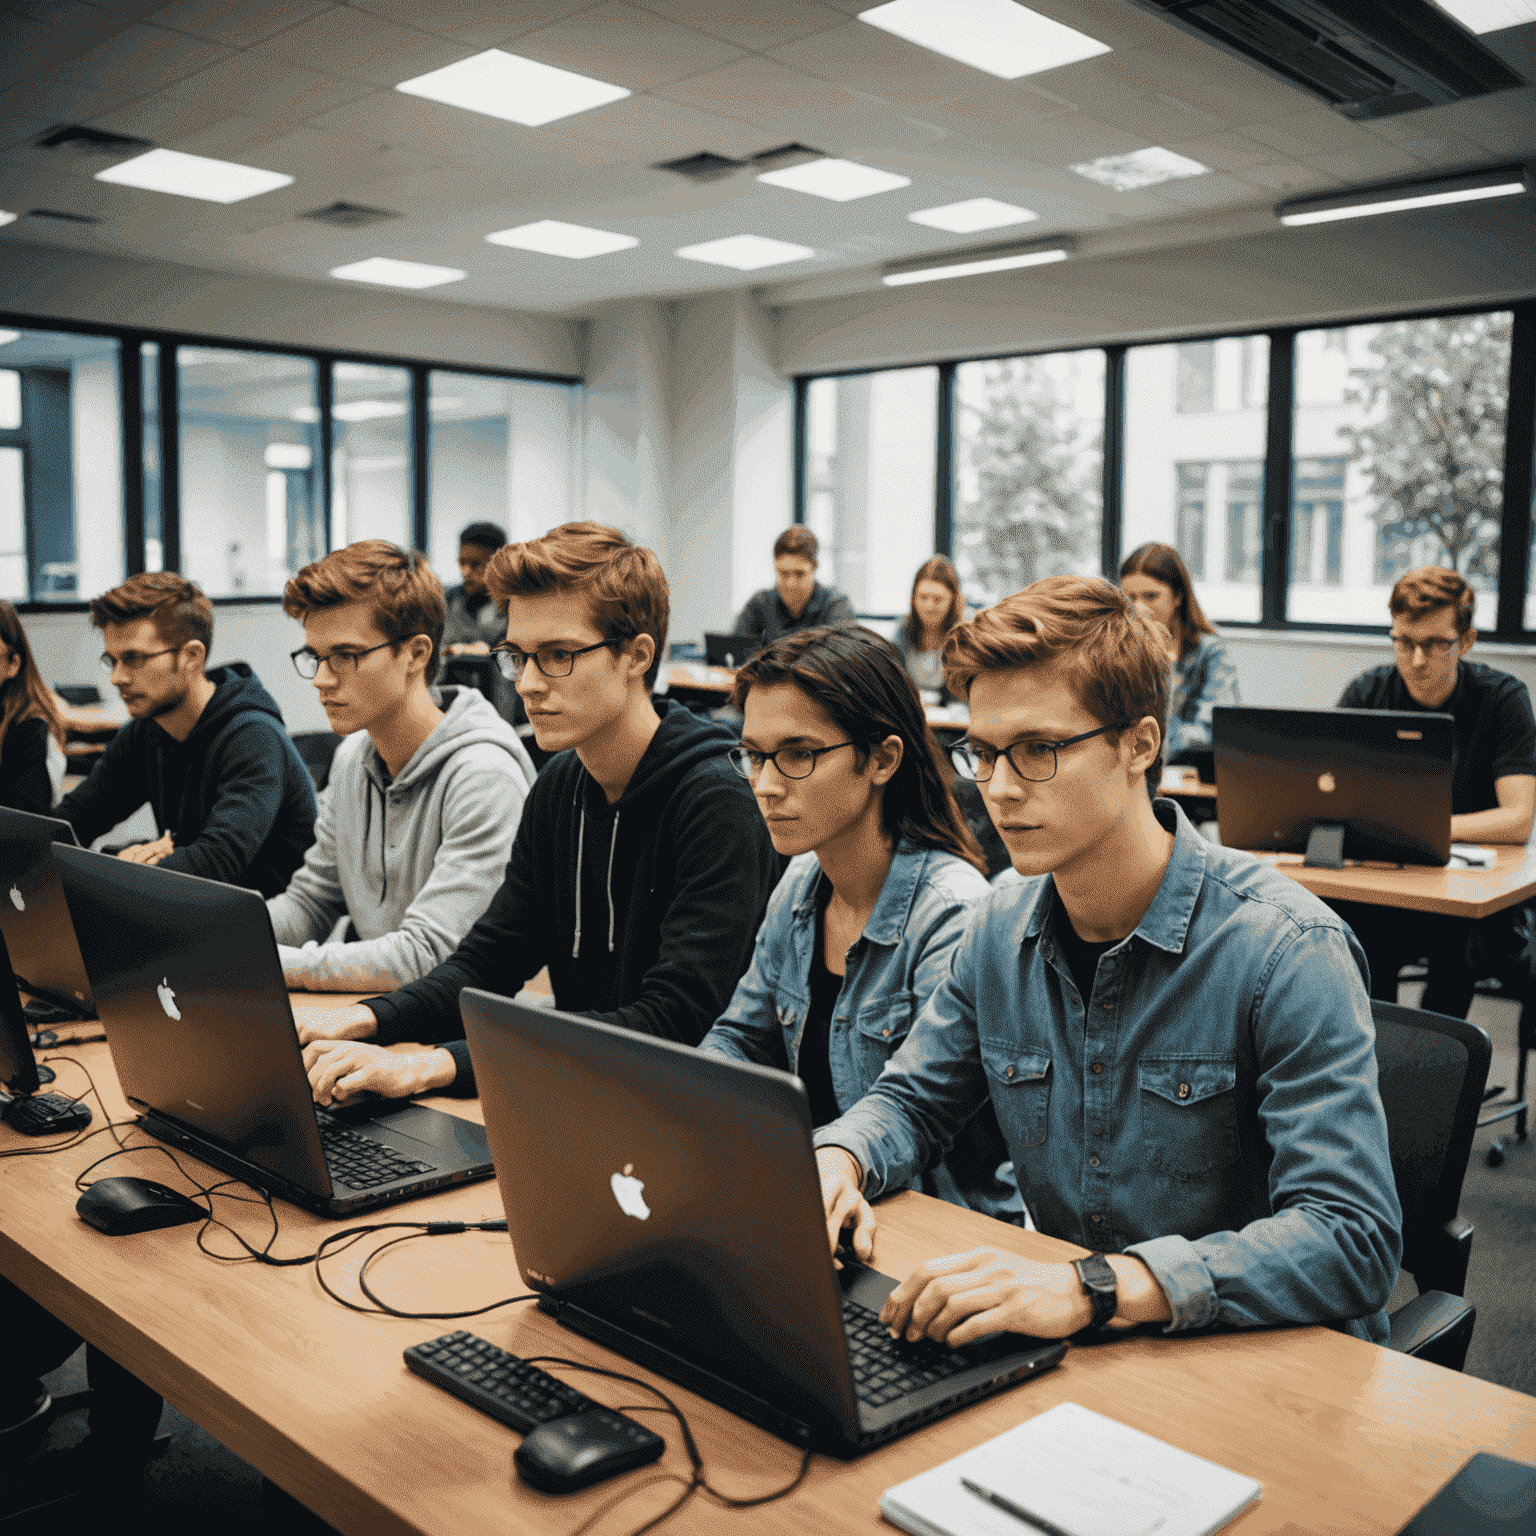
[
  {"x": 626, "y": 1191},
  {"x": 167, "y": 999},
  {"x": 17, "y": 899},
  {"x": 1326, "y": 784}
]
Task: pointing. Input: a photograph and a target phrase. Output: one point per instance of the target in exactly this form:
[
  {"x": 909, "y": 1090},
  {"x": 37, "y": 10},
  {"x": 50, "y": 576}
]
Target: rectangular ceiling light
[
  {"x": 1489, "y": 15},
  {"x": 997, "y": 36},
  {"x": 966, "y": 264},
  {"x": 214, "y": 181},
  {"x": 513, "y": 88},
  {"x": 552, "y": 238},
  {"x": 969, "y": 217},
  {"x": 367, "y": 410},
  {"x": 7, "y": 218},
  {"x": 389, "y": 273},
  {"x": 745, "y": 252},
  {"x": 1504, "y": 181},
  {"x": 841, "y": 181},
  {"x": 1143, "y": 168}
]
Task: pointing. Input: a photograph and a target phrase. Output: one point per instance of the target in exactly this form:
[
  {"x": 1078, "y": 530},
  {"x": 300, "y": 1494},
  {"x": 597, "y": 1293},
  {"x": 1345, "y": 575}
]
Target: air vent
[
  {"x": 61, "y": 216},
  {"x": 784, "y": 156},
  {"x": 1365, "y": 58},
  {"x": 701, "y": 167},
  {"x": 75, "y": 140},
  {"x": 350, "y": 215}
]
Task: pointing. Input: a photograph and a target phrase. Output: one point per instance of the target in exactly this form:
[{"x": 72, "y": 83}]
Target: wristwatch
[{"x": 1099, "y": 1286}]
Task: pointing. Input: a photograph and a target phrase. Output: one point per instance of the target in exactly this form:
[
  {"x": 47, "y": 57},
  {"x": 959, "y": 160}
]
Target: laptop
[
  {"x": 1337, "y": 783},
  {"x": 190, "y": 992},
  {"x": 683, "y": 1228},
  {"x": 34, "y": 920},
  {"x": 731, "y": 650}
]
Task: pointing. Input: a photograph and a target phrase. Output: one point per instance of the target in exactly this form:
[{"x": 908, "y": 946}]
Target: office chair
[
  {"x": 317, "y": 749},
  {"x": 1431, "y": 1071}
]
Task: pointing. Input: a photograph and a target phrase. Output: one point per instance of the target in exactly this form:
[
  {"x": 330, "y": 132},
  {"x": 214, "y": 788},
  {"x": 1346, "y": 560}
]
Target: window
[
  {"x": 1317, "y": 523},
  {"x": 1189, "y": 517},
  {"x": 871, "y": 441},
  {"x": 370, "y": 454},
  {"x": 1245, "y": 522},
  {"x": 1029, "y": 455},
  {"x": 154, "y": 486},
  {"x": 1196, "y": 387}
]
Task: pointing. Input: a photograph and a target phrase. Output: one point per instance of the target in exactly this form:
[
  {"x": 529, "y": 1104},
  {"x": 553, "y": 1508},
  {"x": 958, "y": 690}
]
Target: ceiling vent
[
  {"x": 75, "y": 140},
  {"x": 701, "y": 167},
  {"x": 61, "y": 216},
  {"x": 350, "y": 215},
  {"x": 1364, "y": 58},
  {"x": 784, "y": 156}
]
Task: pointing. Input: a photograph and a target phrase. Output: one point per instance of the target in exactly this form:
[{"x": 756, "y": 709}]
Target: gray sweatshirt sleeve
[
  {"x": 482, "y": 805},
  {"x": 313, "y": 903}
]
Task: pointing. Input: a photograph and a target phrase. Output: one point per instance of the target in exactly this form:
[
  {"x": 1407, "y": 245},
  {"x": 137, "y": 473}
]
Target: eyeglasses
[
  {"x": 1435, "y": 649},
  {"x": 551, "y": 660},
  {"x": 306, "y": 661},
  {"x": 131, "y": 661},
  {"x": 792, "y": 762},
  {"x": 1035, "y": 760}
]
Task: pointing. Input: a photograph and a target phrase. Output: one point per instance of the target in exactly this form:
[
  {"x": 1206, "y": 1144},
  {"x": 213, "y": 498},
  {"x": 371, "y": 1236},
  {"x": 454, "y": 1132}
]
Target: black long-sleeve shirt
[{"x": 24, "y": 781}]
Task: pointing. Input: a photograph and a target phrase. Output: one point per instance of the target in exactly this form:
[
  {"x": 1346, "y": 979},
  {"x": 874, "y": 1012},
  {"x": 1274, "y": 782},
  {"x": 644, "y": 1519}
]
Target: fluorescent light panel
[
  {"x": 840, "y": 181},
  {"x": 214, "y": 181},
  {"x": 367, "y": 410},
  {"x": 7, "y": 218},
  {"x": 513, "y": 88},
  {"x": 1398, "y": 200},
  {"x": 1489, "y": 15},
  {"x": 389, "y": 273},
  {"x": 1141, "y": 168},
  {"x": 745, "y": 252},
  {"x": 969, "y": 217},
  {"x": 7, "y": 337},
  {"x": 997, "y": 36},
  {"x": 550, "y": 237},
  {"x": 968, "y": 268}
]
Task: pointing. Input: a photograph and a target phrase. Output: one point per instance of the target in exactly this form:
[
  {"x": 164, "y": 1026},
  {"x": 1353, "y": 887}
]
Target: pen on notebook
[{"x": 1016, "y": 1510}]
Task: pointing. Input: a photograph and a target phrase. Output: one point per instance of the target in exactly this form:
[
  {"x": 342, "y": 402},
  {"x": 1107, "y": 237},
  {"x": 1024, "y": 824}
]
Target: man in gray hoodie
[{"x": 425, "y": 795}]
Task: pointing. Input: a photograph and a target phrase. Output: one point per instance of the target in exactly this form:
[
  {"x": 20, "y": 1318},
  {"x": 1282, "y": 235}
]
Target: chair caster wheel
[{"x": 1496, "y": 1156}]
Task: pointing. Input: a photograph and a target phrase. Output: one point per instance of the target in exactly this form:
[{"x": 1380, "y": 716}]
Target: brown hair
[
  {"x": 860, "y": 680},
  {"x": 404, "y": 597},
  {"x": 1432, "y": 586},
  {"x": 177, "y": 606},
  {"x": 1115, "y": 658},
  {"x": 1162, "y": 562},
  {"x": 26, "y": 696},
  {"x": 797, "y": 539},
  {"x": 942, "y": 570},
  {"x": 623, "y": 583}
]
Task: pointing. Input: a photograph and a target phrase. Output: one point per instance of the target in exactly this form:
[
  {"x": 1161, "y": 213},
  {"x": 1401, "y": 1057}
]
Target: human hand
[
  {"x": 339, "y": 1070},
  {"x": 149, "y": 853},
  {"x": 842, "y": 1198},
  {"x": 964, "y": 1296},
  {"x": 354, "y": 1023}
]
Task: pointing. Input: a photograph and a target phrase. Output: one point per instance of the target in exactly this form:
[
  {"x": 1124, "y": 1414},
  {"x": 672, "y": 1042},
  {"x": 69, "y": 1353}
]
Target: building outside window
[{"x": 1189, "y": 517}]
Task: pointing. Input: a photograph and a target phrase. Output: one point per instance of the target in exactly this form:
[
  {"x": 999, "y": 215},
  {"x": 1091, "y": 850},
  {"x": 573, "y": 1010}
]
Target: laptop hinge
[{"x": 1325, "y": 846}]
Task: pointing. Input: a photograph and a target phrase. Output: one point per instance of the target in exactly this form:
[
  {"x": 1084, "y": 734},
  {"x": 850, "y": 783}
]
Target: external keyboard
[
  {"x": 47, "y": 1114},
  {"x": 359, "y": 1162},
  {"x": 884, "y": 1368}
]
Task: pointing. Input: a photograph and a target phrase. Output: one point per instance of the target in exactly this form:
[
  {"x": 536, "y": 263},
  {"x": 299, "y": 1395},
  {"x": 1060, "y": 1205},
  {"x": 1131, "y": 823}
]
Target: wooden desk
[
  {"x": 1345, "y": 1437},
  {"x": 684, "y": 677},
  {"x": 87, "y": 719}
]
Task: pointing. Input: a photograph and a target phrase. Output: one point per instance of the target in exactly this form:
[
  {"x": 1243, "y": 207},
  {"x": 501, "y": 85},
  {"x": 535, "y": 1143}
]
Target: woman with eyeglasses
[
  {"x": 860, "y": 929},
  {"x": 31, "y": 727}
]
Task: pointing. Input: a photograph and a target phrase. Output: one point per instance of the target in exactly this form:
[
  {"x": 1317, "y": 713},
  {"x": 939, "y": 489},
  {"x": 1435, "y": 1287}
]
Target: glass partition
[{"x": 370, "y": 454}]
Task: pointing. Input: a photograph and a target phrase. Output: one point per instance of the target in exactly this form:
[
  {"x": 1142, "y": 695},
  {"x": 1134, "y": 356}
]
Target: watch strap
[{"x": 1099, "y": 1285}]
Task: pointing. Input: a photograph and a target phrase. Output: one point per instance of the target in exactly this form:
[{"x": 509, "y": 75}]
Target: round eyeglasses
[
  {"x": 792, "y": 762},
  {"x": 551, "y": 660},
  {"x": 1031, "y": 760}
]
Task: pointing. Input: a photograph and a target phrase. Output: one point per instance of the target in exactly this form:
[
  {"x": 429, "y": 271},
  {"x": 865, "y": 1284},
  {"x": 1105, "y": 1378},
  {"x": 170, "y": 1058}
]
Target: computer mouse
[
  {"x": 123, "y": 1205},
  {"x": 575, "y": 1452}
]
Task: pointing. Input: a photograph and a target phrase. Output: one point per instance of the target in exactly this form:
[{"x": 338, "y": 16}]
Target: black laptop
[
  {"x": 190, "y": 993},
  {"x": 730, "y": 650},
  {"x": 683, "y": 1228},
  {"x": 33, "y": 917}
]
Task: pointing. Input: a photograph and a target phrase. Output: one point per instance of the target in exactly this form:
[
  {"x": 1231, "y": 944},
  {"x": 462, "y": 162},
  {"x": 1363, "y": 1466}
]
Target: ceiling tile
[
  {"x": 657, "y": 129},
  {"x": 1371, "y": 160},
  {"x": 625, "y": 46},
  {"x": 478, "y": 24},
  {"x": 361, "y": 47},
  {"x": 1217, "y": 190},
  {"x": 1433, "y": 148},
  {"x": 1204, "y": 77},
  {"x": 281, "y": 93},
  {"x": 237, "y": 22},
  {"x": 759, "y": 25},
  {"x": 1223, "y": 151},
  {"x": 878, "y": 64},
  {"x": 162, "y": 119},
  {"x": 758, "y": 90},
  {"x": 1286, "y": 177},
  {"x": 29, "y": 46},
  {"x": 1309, "y": 133}
]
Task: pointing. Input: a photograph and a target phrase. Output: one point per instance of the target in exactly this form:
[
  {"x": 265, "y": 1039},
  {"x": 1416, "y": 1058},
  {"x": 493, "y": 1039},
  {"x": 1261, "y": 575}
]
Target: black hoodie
[
  {"x": 235, "y": 795},
  {"x": 645, "y": 911}
]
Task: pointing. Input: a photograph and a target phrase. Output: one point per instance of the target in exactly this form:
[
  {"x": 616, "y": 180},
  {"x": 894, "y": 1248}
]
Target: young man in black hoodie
[
  {"x": 641, "y": 867},
  {"x": 208, "y": 751}
]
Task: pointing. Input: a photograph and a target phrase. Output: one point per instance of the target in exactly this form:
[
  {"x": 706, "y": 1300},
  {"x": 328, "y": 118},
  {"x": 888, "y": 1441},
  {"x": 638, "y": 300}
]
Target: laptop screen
[{"x": 33, "y": 917}]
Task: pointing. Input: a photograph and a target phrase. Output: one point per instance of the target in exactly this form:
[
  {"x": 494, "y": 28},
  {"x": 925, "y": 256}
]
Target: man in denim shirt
[{"x": 1176, "y": 1038}]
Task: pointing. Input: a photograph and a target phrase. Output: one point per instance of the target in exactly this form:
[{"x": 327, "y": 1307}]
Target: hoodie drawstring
[
  {"x": 581, "y": 837},
  {"x": 368, "y": 793},
  {"x": 613, "y": 842}
]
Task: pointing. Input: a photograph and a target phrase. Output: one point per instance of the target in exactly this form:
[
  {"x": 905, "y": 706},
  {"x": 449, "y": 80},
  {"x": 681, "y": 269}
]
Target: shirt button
[
  {"x": 1098, "y": 1067},
  {"x": 886, "y": 1033},
  {"x": 1109, "y": 1005},
  {"x": 1098, "y": 1130},
  {"x": 1096, "y": 1220},
  {"x": 1009, "y": 1072},
  {"x": 1093, "y": 1162},
  {"x": 1183, "y": 1090}
]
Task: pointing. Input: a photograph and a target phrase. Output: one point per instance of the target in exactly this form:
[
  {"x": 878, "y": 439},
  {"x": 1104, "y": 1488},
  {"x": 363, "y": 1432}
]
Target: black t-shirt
[
  {"x": 813, "y": 1066},
  {"x": 24, "y": 781},
  {"x": 1082, "y": 957},
  {"x": 1495, "y": 735}
]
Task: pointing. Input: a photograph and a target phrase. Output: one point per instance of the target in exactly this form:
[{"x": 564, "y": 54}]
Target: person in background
[
  {"x": 208, "y": 751},
  {"x": 1155, "y": 579},
  {"x": 471, "y": 625},
  {"x": 1493, "y": 787},
  {"x": 860, "y": 930},
  {"x": 31, "y": 727},
  {"x": 796, "y": 600},
  {"x": 425, "y": 793},
  {"x": 937, "y": 606}
]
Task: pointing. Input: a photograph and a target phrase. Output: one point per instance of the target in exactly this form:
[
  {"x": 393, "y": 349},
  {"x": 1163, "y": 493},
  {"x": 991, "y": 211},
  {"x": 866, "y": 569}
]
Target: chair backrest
[
  {"x": 1431, "y": 1072},
  {"x": 316, "y": 749}
]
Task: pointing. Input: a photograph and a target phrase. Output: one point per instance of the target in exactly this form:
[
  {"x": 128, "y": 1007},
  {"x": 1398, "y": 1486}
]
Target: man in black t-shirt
[{"x": 1493, "y": 785}]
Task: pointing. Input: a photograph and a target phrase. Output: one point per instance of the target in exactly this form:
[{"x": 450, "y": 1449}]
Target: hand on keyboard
[{"x": 339, "y": 1070}]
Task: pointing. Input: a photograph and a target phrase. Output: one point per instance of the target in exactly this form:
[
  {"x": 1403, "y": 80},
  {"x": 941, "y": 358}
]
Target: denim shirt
[
  {"x": 1203, "y": 677},
  {"x": 895, "y": 964},
  {"x": 1211, "y": 1110}
]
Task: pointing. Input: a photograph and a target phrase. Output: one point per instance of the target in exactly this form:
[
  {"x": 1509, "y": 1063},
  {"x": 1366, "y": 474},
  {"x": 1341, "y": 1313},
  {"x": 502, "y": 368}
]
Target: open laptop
[
  {"x": 730, "y": 650},
  {"x": 683, "y": 1228},
  {"x": 190, "y": 993},
  {"x": 34, "y": 920},
  {"x": 1337, "y": 783}
]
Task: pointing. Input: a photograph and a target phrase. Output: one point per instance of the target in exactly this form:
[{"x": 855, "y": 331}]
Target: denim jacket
[
  {"x": 898, "y": 960},
  {"x": 1203, "y": 677},
  {"x": 1213, "y": 1110}
]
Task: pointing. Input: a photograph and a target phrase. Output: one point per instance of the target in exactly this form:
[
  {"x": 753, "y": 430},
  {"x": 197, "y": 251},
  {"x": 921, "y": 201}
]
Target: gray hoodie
[{"x": 413, "y": 862}]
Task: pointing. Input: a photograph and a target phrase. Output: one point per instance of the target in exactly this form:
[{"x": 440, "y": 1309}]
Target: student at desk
[
  {"x": 937, "y": 606},
  {"x": 796, "y": 600},
  {"x": 641, "y": 866},
  {"x": 1493, "y": 786},
  {"x": 861, "y": 927},
  {"x": 1175, "y": 1037},
  {"x": 425, "y": 794},
  {"x": 31, "y": 727}
]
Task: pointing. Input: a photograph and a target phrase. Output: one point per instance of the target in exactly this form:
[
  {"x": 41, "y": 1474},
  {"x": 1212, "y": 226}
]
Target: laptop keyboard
[
  {"x": 359, "y": 1162},
  {"x": 884, "y": 1368}
]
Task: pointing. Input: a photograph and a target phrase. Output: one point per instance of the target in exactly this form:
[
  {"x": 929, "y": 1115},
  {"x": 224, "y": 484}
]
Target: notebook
[
  {"x": 1488, "y": 1496},
  {"x": 1080, "y": 1473}
]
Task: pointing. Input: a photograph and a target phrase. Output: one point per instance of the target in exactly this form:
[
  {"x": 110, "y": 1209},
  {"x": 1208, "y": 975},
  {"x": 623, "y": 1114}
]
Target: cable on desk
[
  {"x": 382, "y": 1308},
  {"x": 75, "y": 1138}
]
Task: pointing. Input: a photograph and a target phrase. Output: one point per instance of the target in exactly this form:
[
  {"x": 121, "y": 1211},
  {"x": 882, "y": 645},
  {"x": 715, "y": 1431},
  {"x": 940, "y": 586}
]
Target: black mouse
[
  {"x": 123, "y": 1205},
  {"x": 575, "y": 1452}
]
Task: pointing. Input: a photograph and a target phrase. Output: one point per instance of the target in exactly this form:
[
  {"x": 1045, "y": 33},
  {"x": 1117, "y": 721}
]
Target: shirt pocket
[
  {"x": 1020, "y": 1084},
  {"x": 878, "y": 1028},
  {"x": 1189, "y": 1114}
]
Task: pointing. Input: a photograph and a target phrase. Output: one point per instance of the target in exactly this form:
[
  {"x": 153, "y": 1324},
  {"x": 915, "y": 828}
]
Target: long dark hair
[
  {"x": 1163, "y": 563},
  {"x": 942, "y": 570},
  {"x": 26, "y": 696},
  {"x": 859, "y": 678}
]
